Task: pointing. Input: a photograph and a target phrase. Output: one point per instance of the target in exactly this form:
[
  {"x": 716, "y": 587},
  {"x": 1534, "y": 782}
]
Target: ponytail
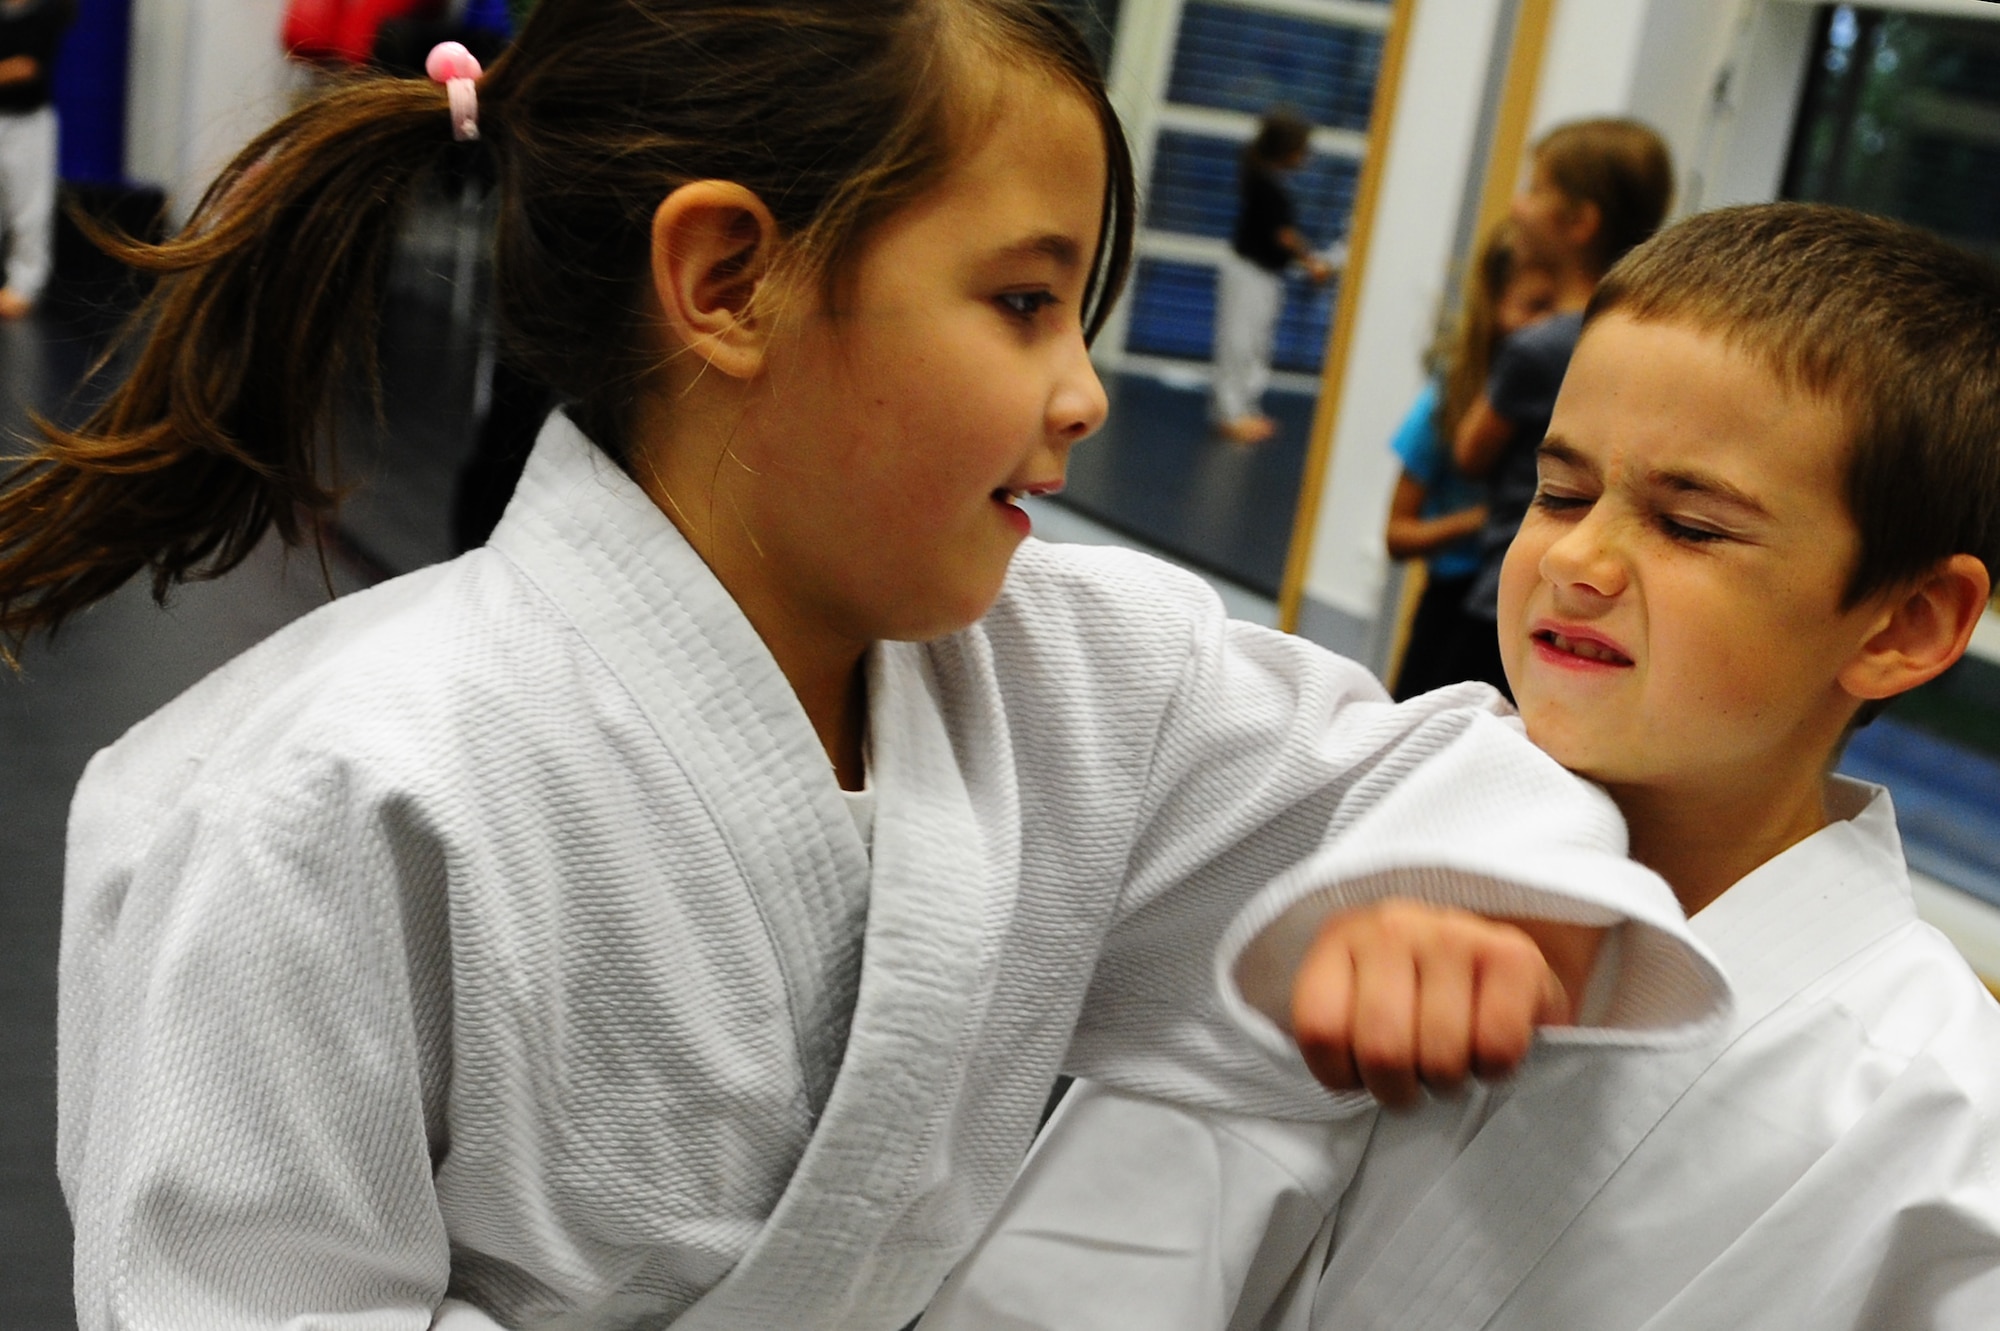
[
  {"x": 836, "y": 113},
  {"x": 223, "y": 427}
]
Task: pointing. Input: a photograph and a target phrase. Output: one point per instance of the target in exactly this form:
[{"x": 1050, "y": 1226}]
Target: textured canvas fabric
[
  {"x": 501, "y": 933},
  {"x": 1829, "y": 1159}
]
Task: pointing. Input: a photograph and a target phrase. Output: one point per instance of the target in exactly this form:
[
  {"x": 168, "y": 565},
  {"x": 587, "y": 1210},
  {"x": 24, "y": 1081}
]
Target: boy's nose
[{"x": 1585, "y": 558}]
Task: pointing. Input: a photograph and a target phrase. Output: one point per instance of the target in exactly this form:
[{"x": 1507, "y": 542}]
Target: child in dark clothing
[
  {"x": 29, "y": 33},
  {"x": 1597, "y": 188},
  {"x": 1250, "y": 285}
]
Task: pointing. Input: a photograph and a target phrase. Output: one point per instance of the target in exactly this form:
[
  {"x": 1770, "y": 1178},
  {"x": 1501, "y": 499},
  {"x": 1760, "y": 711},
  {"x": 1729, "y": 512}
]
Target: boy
[{"x": 1769, "y": 500}]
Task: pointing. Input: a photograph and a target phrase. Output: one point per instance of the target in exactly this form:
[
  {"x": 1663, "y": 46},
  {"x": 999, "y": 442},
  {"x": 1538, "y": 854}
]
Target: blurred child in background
[
  {"x": 1437, "y": 511},
  {"x": 1250, "y": 285}
]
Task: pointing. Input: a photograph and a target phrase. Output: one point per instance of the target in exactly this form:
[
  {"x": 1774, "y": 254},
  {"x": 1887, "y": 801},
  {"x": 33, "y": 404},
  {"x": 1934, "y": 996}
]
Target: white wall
[
  {"x": 1662, "y": 61},
  {"x": 1431, "y": 142},
  {"x": 205, "y": 77},
  {"x": 1591, "y": 61}
]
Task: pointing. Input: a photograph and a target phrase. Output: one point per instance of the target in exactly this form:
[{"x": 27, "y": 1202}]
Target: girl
[
  {"x": 1436, "y": 513},
  {"x": 678, "y": 909},
  {"x": 1250, "y": 284},
  {"x": 1596, "y": 188}
]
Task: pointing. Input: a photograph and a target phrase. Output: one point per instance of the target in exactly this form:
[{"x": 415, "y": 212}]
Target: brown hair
[
  {"x": 1898, "y": 327},
  {"x": 835, "y": 112},
  {"x": 1463, "y": 354},
  {"x": 1281, "y": 135},
  {"x": 1620, "y": 166}
]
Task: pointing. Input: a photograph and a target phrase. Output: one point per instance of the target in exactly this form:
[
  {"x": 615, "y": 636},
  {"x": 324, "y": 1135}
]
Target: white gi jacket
[
  {"x": 1831, "y": 1160},
  {"x": 500, "y": 932}
]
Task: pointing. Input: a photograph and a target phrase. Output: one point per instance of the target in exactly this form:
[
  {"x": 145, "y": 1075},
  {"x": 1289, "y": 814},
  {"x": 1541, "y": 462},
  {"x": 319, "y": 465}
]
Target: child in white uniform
[
  {"x": 30, "y": 31},
  {"x": 496, "y": 947},
  {"x": 1769, "y": 501}
]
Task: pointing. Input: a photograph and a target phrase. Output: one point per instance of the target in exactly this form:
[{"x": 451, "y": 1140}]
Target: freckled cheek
[{"x": 1718, "y": 679}]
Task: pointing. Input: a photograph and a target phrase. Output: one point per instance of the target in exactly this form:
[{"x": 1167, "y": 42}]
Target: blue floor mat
[
  {"x": 1947, "y": 802},
  {"x": 1157, "y": 473}
]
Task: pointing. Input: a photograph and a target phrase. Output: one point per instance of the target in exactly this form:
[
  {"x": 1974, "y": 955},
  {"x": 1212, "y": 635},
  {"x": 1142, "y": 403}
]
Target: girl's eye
[{"x": 1026, "y": 304}]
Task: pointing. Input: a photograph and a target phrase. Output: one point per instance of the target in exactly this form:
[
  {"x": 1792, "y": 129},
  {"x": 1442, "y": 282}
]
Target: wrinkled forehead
[
  {"x": 1779, "y": 361},
  {"x": 1672, "y": 393}
]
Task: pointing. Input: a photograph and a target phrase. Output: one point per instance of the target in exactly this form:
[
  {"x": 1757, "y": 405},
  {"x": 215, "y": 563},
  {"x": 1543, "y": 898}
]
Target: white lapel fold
[
  {"x": 1574, "y": 1115},
  {"x": 942, "y": 894},
  {"x": 613, "y": 564}
]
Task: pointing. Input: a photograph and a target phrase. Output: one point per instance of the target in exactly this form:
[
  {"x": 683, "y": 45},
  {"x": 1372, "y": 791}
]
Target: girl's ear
[
  {"x": 1920, "y": 631},
  {"x": 714, "y": 243}
]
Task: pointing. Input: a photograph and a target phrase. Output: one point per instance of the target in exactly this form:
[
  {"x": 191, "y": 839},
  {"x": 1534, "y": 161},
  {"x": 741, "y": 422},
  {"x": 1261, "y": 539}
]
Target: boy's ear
[
  {"x": 1921, "y": 631},
  {"x": 713, "y": 246}
]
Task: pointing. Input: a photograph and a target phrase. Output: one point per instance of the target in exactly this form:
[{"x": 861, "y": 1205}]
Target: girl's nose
[
  {"x": 1585, "y": 559},
  {"x": 1079, "y": 404}
]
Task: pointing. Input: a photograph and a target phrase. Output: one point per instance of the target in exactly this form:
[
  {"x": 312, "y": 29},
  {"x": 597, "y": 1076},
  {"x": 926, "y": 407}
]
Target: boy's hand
[{"x": 1401, "y": 995}]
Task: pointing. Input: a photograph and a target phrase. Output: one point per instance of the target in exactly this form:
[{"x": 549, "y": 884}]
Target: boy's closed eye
[
  {"x": 1680, "y": 527},
  {"x": 1688, "y": 533},
  {"x": 1558, "y": 501}
]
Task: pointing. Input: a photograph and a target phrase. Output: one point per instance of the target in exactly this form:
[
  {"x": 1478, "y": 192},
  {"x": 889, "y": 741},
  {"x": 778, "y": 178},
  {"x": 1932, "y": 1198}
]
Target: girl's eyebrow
[{"x": 1050, "y": 244}]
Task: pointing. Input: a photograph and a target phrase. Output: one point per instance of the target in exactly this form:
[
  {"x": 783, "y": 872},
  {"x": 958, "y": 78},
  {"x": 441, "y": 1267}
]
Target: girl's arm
[
  {"x": 252, "y": 1014},
  {"x": 1482, "y": 437},
  {"x": 1301, "y": 250},
  {"x": 1411, "y": 537},
  {"x": 1275, "y": 762}
]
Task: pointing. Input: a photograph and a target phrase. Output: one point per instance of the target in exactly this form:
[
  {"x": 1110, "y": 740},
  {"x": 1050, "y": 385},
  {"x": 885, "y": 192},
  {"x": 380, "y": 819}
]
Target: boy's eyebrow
[
  {"x": 1556, "y": 449},
  {"x": 1681, "y": 480},
  {"x": 1691, "y": 481}
]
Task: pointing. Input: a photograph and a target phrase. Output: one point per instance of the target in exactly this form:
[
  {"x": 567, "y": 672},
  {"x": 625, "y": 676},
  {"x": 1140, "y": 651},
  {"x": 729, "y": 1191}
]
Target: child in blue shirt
[{"x": 1437, "y": 511}]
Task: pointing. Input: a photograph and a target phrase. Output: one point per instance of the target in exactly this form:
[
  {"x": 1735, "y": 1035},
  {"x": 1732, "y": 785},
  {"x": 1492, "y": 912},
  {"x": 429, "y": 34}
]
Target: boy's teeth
[{"x": 1584, "y": 647}]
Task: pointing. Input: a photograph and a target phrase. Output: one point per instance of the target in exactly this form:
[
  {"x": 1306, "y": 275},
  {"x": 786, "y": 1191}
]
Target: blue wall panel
[
  {"x": 1173, "y": 310},
  {"x": 1242, "y": 60},
  {"x": 89, "y": 87}
]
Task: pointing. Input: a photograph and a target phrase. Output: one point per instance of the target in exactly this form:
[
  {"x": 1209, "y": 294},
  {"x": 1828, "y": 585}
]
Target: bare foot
[
  {"x": 13, "y": 305},
  {"x": 1247, "y": 430}
]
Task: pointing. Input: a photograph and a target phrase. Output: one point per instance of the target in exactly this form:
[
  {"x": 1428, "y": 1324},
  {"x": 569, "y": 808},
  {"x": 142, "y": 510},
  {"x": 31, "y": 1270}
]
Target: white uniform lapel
[
  {"x": 646, "y": 602},
  {"x": 1498, "y": 1208},
  {"x": 944, "y": 879},
  {"x": 1500, "y": 1205}
]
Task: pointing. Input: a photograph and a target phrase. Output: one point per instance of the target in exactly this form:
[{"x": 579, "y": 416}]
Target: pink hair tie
[{"x": 455, "y": 67}]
